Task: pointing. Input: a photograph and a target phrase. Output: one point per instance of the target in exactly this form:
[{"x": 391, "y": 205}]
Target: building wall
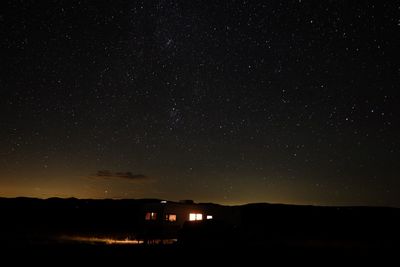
[{"x": 182, "y": 211}]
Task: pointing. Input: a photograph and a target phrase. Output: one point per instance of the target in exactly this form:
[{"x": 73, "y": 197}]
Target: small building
[
  {"x": 178, "y": 213},
  {"x": 164, "y": 219}
]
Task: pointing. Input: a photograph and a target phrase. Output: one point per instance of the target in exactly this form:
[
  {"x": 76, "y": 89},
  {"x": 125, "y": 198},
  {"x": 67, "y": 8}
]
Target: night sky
[{"x": 216, "y": 101}]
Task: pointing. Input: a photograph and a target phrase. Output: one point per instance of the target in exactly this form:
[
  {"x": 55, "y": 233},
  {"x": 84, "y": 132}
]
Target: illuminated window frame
[
  {"x": 195, "y": 217},
  {"x": 151, "y": 216},
  {"x": 170, "y": 217}
]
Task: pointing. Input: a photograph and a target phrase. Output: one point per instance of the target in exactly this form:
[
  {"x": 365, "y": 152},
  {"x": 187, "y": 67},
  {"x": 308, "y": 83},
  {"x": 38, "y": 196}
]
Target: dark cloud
[{"x": 122, "y": 175}]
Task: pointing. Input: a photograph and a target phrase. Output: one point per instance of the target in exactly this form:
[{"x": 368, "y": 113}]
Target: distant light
[
  {"x": 151, "y": 216},
  {"x": 195, "y": 216},
  {"x": 163, "y": 201},
  {"x": 170, "y": 217},
  {"x": 98, "y": 240},
  {"x": 209, "y": 217}
]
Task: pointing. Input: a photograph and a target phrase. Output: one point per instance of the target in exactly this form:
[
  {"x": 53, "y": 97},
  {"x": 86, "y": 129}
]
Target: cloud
[{"x": 120, "y": 175}]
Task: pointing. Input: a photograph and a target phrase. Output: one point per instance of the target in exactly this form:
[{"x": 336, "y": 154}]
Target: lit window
[
  {"x": 209, "y": 217},
  {"x": 170, "y": 217},
  {"x": 195, "y": 216},
  {"x": 151, "y": 216}
]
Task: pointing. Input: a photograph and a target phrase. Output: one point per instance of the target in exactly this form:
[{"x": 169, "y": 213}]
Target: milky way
[{"x": 243, "y": 101}]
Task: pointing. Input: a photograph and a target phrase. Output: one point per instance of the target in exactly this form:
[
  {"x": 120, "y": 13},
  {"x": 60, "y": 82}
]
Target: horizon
[{"x": 206, "y": 202}]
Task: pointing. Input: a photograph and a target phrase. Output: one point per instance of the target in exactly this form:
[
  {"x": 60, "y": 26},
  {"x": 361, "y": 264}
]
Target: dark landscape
[{"x": 76, "y": 227}]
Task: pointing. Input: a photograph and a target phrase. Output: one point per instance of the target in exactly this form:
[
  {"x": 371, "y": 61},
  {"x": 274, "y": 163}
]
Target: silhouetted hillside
[{"x": 27, "y": 222}]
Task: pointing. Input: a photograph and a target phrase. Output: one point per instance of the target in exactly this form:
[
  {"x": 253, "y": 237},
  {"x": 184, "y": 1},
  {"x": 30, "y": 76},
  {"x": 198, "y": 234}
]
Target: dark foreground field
[
  {"x": 78, "y": 254},
  {"x": 74, "y": 231}
]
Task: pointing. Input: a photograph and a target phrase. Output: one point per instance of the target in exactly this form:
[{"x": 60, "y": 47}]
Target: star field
[{"x": 244, "y": 101}]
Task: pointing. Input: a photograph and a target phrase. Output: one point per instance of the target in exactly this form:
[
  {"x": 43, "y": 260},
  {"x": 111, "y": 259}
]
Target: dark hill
[{"x": 27, "y": 221}]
